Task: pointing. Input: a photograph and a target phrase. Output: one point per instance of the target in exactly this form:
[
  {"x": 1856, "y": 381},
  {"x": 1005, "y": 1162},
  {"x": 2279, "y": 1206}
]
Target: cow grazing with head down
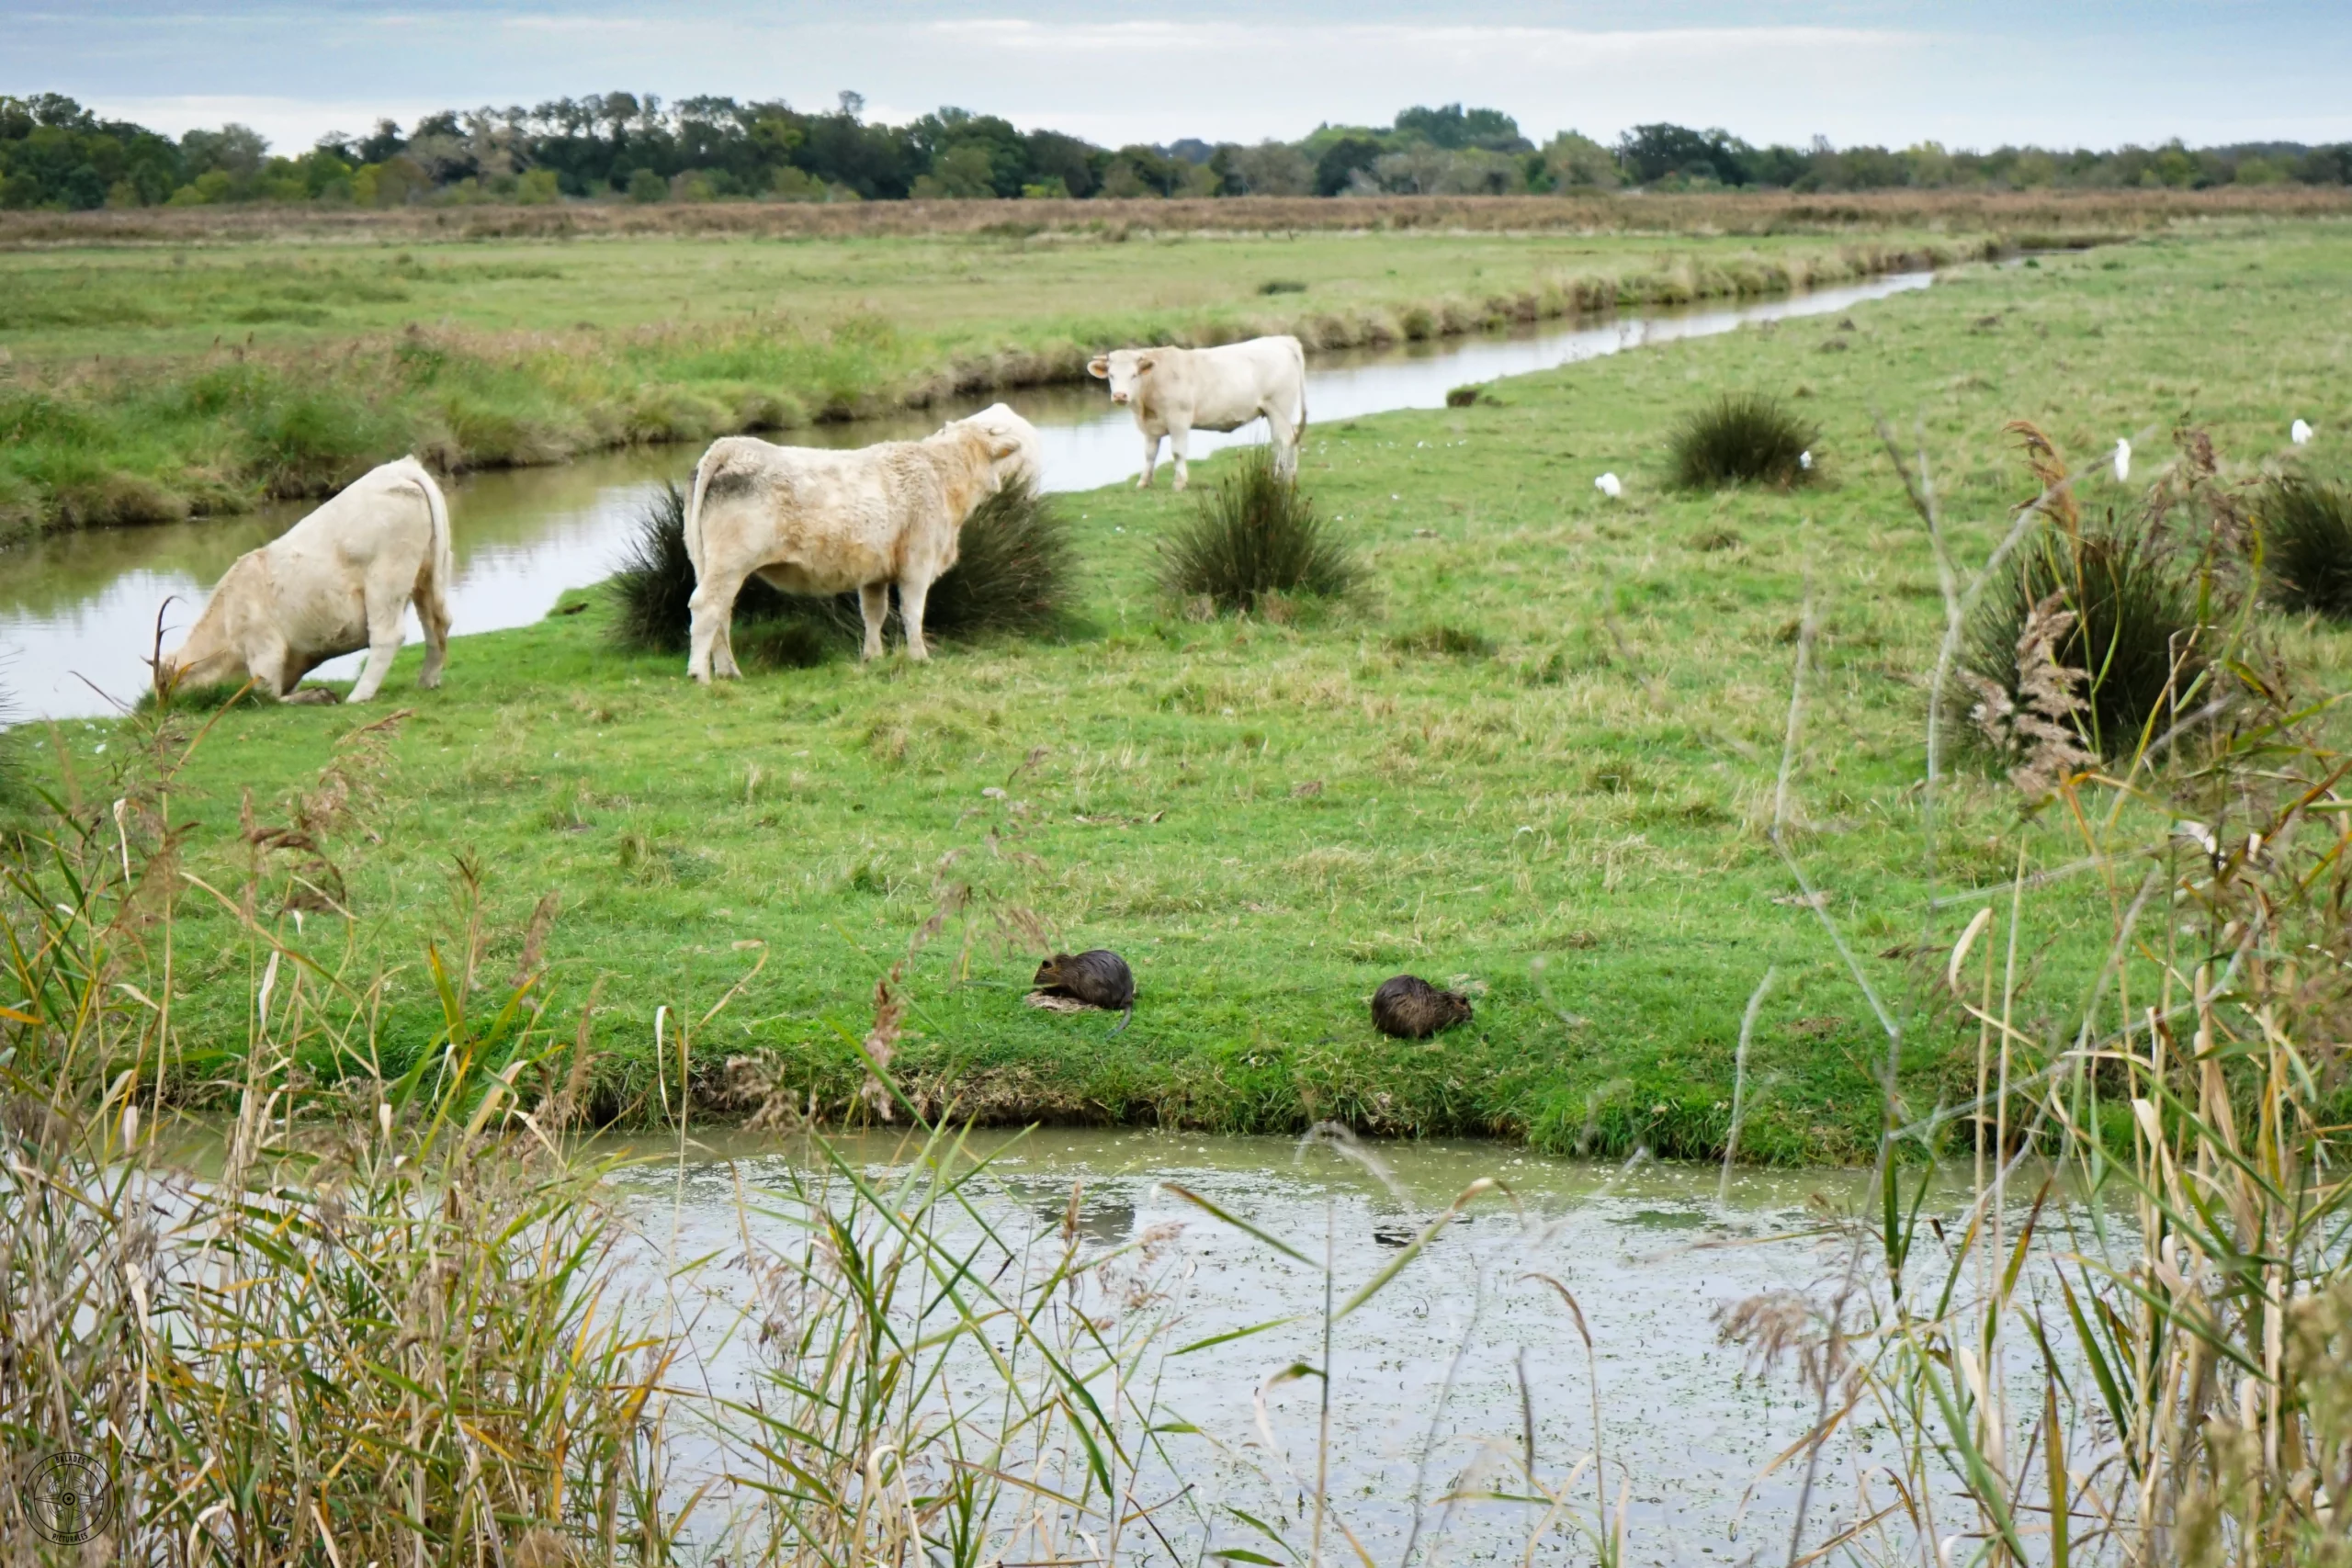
[
  {"x": 1175, "y": 392},
  {"x": 341, "y": 580},
  {"x": 816, "y": 522}
]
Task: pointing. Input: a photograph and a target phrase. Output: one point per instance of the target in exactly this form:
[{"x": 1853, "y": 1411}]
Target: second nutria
[
  {"x": 1411, "y": 1008},
  {"x": 1098, "y": 977}
]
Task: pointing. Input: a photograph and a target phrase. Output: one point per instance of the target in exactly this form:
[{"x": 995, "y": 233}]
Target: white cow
[
  {"x": 339, "y": 580},
  {"x": 1175, "y": 392},
  {"x": 818, "y": 522}
]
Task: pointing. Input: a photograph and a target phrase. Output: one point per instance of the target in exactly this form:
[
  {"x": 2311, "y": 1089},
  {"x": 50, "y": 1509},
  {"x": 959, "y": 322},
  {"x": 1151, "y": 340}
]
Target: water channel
[
  {"x": 1654, "y": 1253},
  {"x": 78, "y": 611}
]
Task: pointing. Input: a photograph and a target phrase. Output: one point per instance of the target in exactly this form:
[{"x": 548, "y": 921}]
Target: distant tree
[
  {"x": 1653, "y": 153},
  {"x": 385, "y": 141},
  {"x": 1078, "y": 164},
  {"x": 1138, "y": 170},
  {"x": 1341, "y": 161},
  {"x": 1454, "y": 129},
  {"x": 1270, "y": 168},
  {"x": 236, "y": 151},
  {"x": 1572, "y": 161}
]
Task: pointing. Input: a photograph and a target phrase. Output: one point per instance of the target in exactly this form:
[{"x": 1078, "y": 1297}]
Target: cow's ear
[
  {"x": 1099, "y": 367},
  {"x": 1144, "y": 364},
  {"x": 1003, "y": 446}
]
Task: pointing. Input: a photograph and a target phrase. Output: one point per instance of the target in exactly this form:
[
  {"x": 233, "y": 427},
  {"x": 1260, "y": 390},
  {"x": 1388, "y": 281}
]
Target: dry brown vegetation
[{"x": 2038, "y": 214}]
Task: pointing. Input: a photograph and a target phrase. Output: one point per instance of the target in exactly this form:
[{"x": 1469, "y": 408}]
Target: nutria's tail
[{"x": 1126, "y": 1019}]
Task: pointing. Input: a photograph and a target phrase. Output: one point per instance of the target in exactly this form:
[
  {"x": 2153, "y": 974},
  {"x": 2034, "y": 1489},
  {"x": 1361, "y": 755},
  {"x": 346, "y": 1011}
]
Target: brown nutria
[
  {"x": 1411, "y": 1008},
  {"x": 1098, "y": 977}
]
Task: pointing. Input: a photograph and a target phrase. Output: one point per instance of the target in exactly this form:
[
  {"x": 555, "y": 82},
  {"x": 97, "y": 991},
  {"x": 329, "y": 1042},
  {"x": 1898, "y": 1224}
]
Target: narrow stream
[{"x": 78, "y": 612}]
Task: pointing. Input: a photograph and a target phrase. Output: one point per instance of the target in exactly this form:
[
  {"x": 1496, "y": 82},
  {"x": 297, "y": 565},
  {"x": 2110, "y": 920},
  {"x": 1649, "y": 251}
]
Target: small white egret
[
  {"x": 1804, "y": 458},
  {"x": 2122, "y": 460},
  {"x": 2300, "y": 433},
  {"x": 1607, "y": 485}
]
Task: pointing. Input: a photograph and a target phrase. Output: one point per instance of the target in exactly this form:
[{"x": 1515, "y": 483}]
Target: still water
[
  {"x": 1652, "y": 1254},
  {"x": 78, "y": 612}
]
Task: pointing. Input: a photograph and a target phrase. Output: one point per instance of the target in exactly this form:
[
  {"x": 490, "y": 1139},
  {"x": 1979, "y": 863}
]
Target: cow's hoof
[{"x": 313, "y": 697}]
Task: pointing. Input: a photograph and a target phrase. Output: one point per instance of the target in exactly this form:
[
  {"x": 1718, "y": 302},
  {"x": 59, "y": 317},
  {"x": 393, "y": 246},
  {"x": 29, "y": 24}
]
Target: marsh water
[
  {"x": 1652, "y": 1253},
  {"x": 78, "y": 612}
]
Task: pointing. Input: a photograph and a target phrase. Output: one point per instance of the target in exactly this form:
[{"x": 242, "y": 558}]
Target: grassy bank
[
  {"x": 1541, "y": 754},
  {"x": 149, "y": 386}
]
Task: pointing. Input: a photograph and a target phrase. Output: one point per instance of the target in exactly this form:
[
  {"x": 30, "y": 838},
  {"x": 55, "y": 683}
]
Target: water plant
[
  {"x": 1742, "y": 438},
  {"x": 1253, "y": 538},
  {"x": 378, "y": 1312}
]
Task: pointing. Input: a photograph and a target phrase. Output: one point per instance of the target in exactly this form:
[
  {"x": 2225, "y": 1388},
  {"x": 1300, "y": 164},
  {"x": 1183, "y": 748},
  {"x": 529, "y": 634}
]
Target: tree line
[{"x": 55, "y": 154}]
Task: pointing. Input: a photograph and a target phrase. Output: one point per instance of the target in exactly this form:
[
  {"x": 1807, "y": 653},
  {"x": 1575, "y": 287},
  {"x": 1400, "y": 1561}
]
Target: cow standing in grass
[
  {"x": 341, "y": 580},
  {"x": 1175, "y": 392},
  {"x": 817, "y": 522}
]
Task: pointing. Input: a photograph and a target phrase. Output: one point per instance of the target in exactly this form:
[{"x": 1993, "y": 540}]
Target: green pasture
[
  {"x": 1538, "y": 753},
  {"x": 146, "y": 384}
]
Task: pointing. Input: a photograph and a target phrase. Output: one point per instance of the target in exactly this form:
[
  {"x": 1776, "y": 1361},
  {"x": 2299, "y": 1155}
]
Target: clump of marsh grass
[
  {"x": 1014, "y": 561},
  {"x": 2122, "y": 605},
  {"x": 1254, "y": 539},
  {"x": 1742, "y": 438},
  {"x": 2307, "y": 547},
  {"x": 1012, "y": 574}
]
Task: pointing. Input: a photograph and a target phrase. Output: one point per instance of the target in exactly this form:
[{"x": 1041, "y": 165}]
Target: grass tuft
[
  {"x": 1012, "y": 572},
  {"x": 2137, "y": 637},
  {"x": 1439, "y": 638},
  {"x": 1256, "y": 538},
  {"x": 2307, "y": 547},
  {"x": 1742, "y": 438}
]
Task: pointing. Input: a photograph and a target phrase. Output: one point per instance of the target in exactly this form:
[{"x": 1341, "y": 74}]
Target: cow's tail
[
  {"x": 442, "y": 551},
  {"x": 694, "y": 514},
  {"x": 439, "y": 562},
  {"x": 1300, "y": 350}
]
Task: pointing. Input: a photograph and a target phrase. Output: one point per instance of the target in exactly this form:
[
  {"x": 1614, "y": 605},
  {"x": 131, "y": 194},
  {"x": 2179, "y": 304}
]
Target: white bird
[
  {"x": 2122, "y": 460},
  {"x": 1804, "y": 458},
  {"x": 2299, "y": 433},
  {"x": 1607, "y": 485}
]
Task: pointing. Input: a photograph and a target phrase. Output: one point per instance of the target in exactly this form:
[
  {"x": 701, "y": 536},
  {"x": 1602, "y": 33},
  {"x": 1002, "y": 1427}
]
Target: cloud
[{"x": 1227, "y": 71}]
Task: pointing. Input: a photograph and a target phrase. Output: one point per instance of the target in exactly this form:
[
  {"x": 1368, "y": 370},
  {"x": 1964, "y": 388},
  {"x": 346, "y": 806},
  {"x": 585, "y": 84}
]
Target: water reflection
[
  {"x": 1651, "y": 1254},
  {"x": 78, "y": 612}
]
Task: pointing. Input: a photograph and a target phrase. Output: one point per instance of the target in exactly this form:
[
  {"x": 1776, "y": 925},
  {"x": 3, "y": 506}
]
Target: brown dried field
[{"x": 2032, "y": 214}]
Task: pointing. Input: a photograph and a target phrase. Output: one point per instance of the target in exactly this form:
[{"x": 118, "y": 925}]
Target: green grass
[
  {"x": 1538, "y": 751},
  {"x": 151, "y": 383}
]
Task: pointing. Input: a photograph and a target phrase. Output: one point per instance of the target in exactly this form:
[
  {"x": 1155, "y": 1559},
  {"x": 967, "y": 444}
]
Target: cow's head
[
  {"x": 210, "y": 654},
  {"x": 1123, "y": 368},
  {"x": 1015, "y": 455}
]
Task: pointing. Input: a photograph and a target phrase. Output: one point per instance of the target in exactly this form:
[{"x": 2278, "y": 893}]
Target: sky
[{"x": 2059, "y": 72}]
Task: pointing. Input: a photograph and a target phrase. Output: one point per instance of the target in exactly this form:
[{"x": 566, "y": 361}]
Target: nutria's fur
[
  {"x": 1098, "y": 977},
  {"x": 1411, "y": 1008}
]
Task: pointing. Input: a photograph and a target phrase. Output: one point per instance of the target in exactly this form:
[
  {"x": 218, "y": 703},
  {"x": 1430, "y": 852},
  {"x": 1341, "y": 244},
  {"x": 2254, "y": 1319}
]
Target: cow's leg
[
  {"x": 385, "y": 616},
  {"x": 723, "y": 650},
  {"x": 434, "y": 612},
  {"x": 1151, "y": 458},
  {"x": 912, "y": 593},
  {"x": 874, "y": 603},
  {"x": 1180, "y": 437},
  {"x": 272, "y": 665},
  {"x": 712, "y": 608},
  {"x": 1285, "y": 436}
]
